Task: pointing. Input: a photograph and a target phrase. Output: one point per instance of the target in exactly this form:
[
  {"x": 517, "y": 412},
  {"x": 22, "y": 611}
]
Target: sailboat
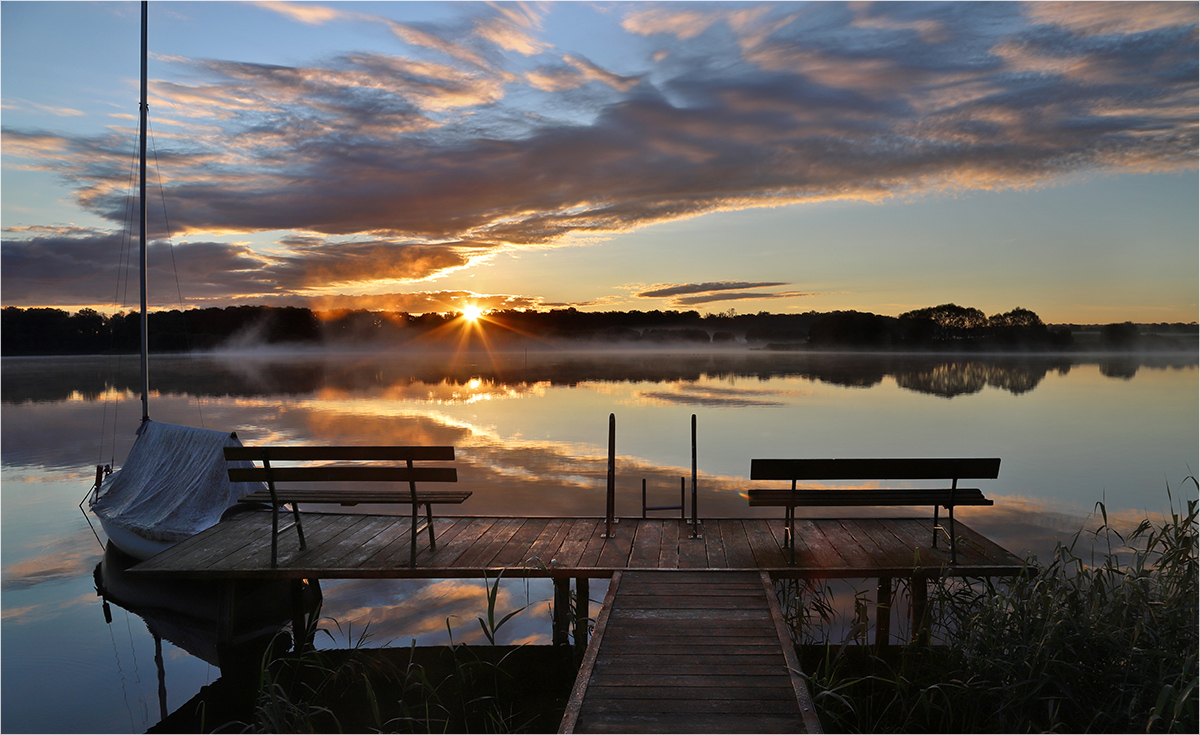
[{"x": 174, "y": 483}]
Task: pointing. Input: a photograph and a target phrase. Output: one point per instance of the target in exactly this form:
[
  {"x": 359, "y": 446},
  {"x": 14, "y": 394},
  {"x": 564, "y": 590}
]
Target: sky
[{"x": 781, "y": 157}]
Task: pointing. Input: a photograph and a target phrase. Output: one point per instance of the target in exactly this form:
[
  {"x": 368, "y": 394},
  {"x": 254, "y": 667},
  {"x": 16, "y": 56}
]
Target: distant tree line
[{"x": 45, "y": 331}]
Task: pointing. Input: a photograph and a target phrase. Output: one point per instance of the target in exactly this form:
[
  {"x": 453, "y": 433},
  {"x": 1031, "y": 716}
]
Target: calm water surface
[{"x": 531, "y": 437}]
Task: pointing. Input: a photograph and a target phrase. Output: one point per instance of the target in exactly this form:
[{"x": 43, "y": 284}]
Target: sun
[{"x": 471, "y": 312}]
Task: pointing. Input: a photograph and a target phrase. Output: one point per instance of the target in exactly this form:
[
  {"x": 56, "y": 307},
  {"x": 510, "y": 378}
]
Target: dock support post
[
  {"x": 225, "y": 612},
  {"x": 582, "y": 613},
  {"x": 883, "y": 613},
  {"x": 919, "y": 612},
  {"x": 562, "y": 617},
  {"x": 299, "y": 621}
]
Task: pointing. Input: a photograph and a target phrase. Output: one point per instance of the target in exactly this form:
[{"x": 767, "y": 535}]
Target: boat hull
[{"x": 139, "y": 547}]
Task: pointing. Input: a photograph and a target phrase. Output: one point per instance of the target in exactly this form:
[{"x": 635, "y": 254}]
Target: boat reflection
[{"x": 188, "y": 614}]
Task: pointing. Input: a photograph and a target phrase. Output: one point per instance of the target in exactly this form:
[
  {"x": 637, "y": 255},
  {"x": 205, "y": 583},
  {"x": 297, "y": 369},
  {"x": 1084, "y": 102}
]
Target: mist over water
[{"x": 530, "y": 431}]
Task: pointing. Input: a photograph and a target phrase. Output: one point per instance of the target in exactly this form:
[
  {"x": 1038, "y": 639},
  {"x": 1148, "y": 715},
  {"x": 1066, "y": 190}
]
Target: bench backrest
[
  {"x": 341, "y": 473},
  {"x": 874, "y": 469}
]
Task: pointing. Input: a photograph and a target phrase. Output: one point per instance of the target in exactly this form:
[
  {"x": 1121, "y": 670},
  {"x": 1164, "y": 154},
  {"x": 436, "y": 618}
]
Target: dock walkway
[{"x": 690, "y": 652}]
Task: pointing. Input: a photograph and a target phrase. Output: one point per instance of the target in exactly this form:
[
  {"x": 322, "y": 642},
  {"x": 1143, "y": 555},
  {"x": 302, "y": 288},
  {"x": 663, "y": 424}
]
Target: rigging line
[
  {"x": 187, "y": 336},
  {"x": 122, "y": 301}
]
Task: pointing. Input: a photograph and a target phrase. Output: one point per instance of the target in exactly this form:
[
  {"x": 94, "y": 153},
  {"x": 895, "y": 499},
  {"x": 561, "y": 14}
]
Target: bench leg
[
  {"x": 429, "y": 525},
  {"x": 412, "y": 557},
  {"x": 299, "y": 528}
]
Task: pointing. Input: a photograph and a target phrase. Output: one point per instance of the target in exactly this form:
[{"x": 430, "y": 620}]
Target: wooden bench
[
  {"x": 343, "y": 473},
  {"x": 845, "y": 470}
]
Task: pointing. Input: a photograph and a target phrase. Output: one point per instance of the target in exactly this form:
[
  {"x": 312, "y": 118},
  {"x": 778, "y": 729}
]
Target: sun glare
[{"x": 471, "y": 312}]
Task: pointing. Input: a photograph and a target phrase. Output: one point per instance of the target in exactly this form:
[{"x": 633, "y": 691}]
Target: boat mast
[{"x": 142, "y": 239}]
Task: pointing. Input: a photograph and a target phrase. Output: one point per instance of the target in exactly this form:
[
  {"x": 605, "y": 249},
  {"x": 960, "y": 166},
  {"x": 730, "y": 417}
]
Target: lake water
[{"x": 530, "y": 432}]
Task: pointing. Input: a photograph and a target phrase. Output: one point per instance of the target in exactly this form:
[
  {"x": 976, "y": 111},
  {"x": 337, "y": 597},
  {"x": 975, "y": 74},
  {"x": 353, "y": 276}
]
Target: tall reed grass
[
  {"x": 1103, "y": 639},
  {"x": 454, "y": 688}
]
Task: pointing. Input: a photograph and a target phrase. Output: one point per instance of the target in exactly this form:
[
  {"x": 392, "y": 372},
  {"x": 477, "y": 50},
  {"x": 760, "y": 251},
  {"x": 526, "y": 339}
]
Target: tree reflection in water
[{"x": 47, "y": 379}]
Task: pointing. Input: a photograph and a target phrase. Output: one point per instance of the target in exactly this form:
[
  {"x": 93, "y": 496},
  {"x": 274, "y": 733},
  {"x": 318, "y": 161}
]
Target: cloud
[
  {"x": 309, "y": 13},
  {"x": 477, "y": 137},
  {"x": 691, "y": 288},
  {"x": 713, "y": 291},
  {"x": 744, "y": 295}
]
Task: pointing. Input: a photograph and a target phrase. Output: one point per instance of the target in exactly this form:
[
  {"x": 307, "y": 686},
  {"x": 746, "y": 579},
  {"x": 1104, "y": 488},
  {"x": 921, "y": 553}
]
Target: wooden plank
[
  {"x": 319, "y": 545},
  {"x": 846, "y": 546},
  {"x": 388, "y": 534},
  {"x": 349, "y": 542},
  {"x": 393, "y": 549},
  {"x": 344, "y": 453},
  {"x": 714, "y": 546},
  {"x": 872, "y": 534},
  {"x": 582, "y": 546},
  {"x": 544, "y": 548},
  {"x": 646, "y": 544},
  {"x": 814, "y": 548},
  {"x": 467, "y": 546},
  {"x": 668, "y": 549},
  {"x": 481, "y": 554},
  {"x": 258, "y": 554},
  {"x": 766, "y": 546},
  {"x": 461, "y": 545},
  {"x": 516, "y": 551},
  {"x": 737, "y": 546},
  {"x": 208, "y": 547},
  {"x": 668, "y": 643},
  {"x": 874, "y": 469},
  {"x": 355, "y": 496},
  {"x": 616, "y": 551}
]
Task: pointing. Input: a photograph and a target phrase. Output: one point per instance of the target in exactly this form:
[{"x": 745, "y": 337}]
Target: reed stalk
[{"x": 1099, "y": 639}]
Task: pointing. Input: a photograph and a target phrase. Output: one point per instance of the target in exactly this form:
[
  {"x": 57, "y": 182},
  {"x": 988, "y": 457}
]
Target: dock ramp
[{"x": 684, "y": 651}]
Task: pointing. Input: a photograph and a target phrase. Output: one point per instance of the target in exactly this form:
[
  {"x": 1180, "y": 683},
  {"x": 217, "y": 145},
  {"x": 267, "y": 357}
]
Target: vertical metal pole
[
  {"x": 142, "y": 218},
  {"x": 695, "y": 514},
  {"x": 682, "y": 504},
  {"x": 643, "y": 497},
  {"x": 610, "y": 509}
]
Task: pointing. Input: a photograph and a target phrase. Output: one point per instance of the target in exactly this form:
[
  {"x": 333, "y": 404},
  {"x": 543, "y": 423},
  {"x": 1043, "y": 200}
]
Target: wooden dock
[
  {"x": 690, "y": 638},
  {"x": 690, "y": 652},
  {"x": 344, "y": 545}
]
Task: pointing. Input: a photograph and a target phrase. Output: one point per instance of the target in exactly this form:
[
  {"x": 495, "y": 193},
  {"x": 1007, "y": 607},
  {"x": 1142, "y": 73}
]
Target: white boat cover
[{"x": 174, "y": 483}]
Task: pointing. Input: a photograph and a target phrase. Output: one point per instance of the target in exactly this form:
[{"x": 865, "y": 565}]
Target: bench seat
[{"x": 828, "y": 497}]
